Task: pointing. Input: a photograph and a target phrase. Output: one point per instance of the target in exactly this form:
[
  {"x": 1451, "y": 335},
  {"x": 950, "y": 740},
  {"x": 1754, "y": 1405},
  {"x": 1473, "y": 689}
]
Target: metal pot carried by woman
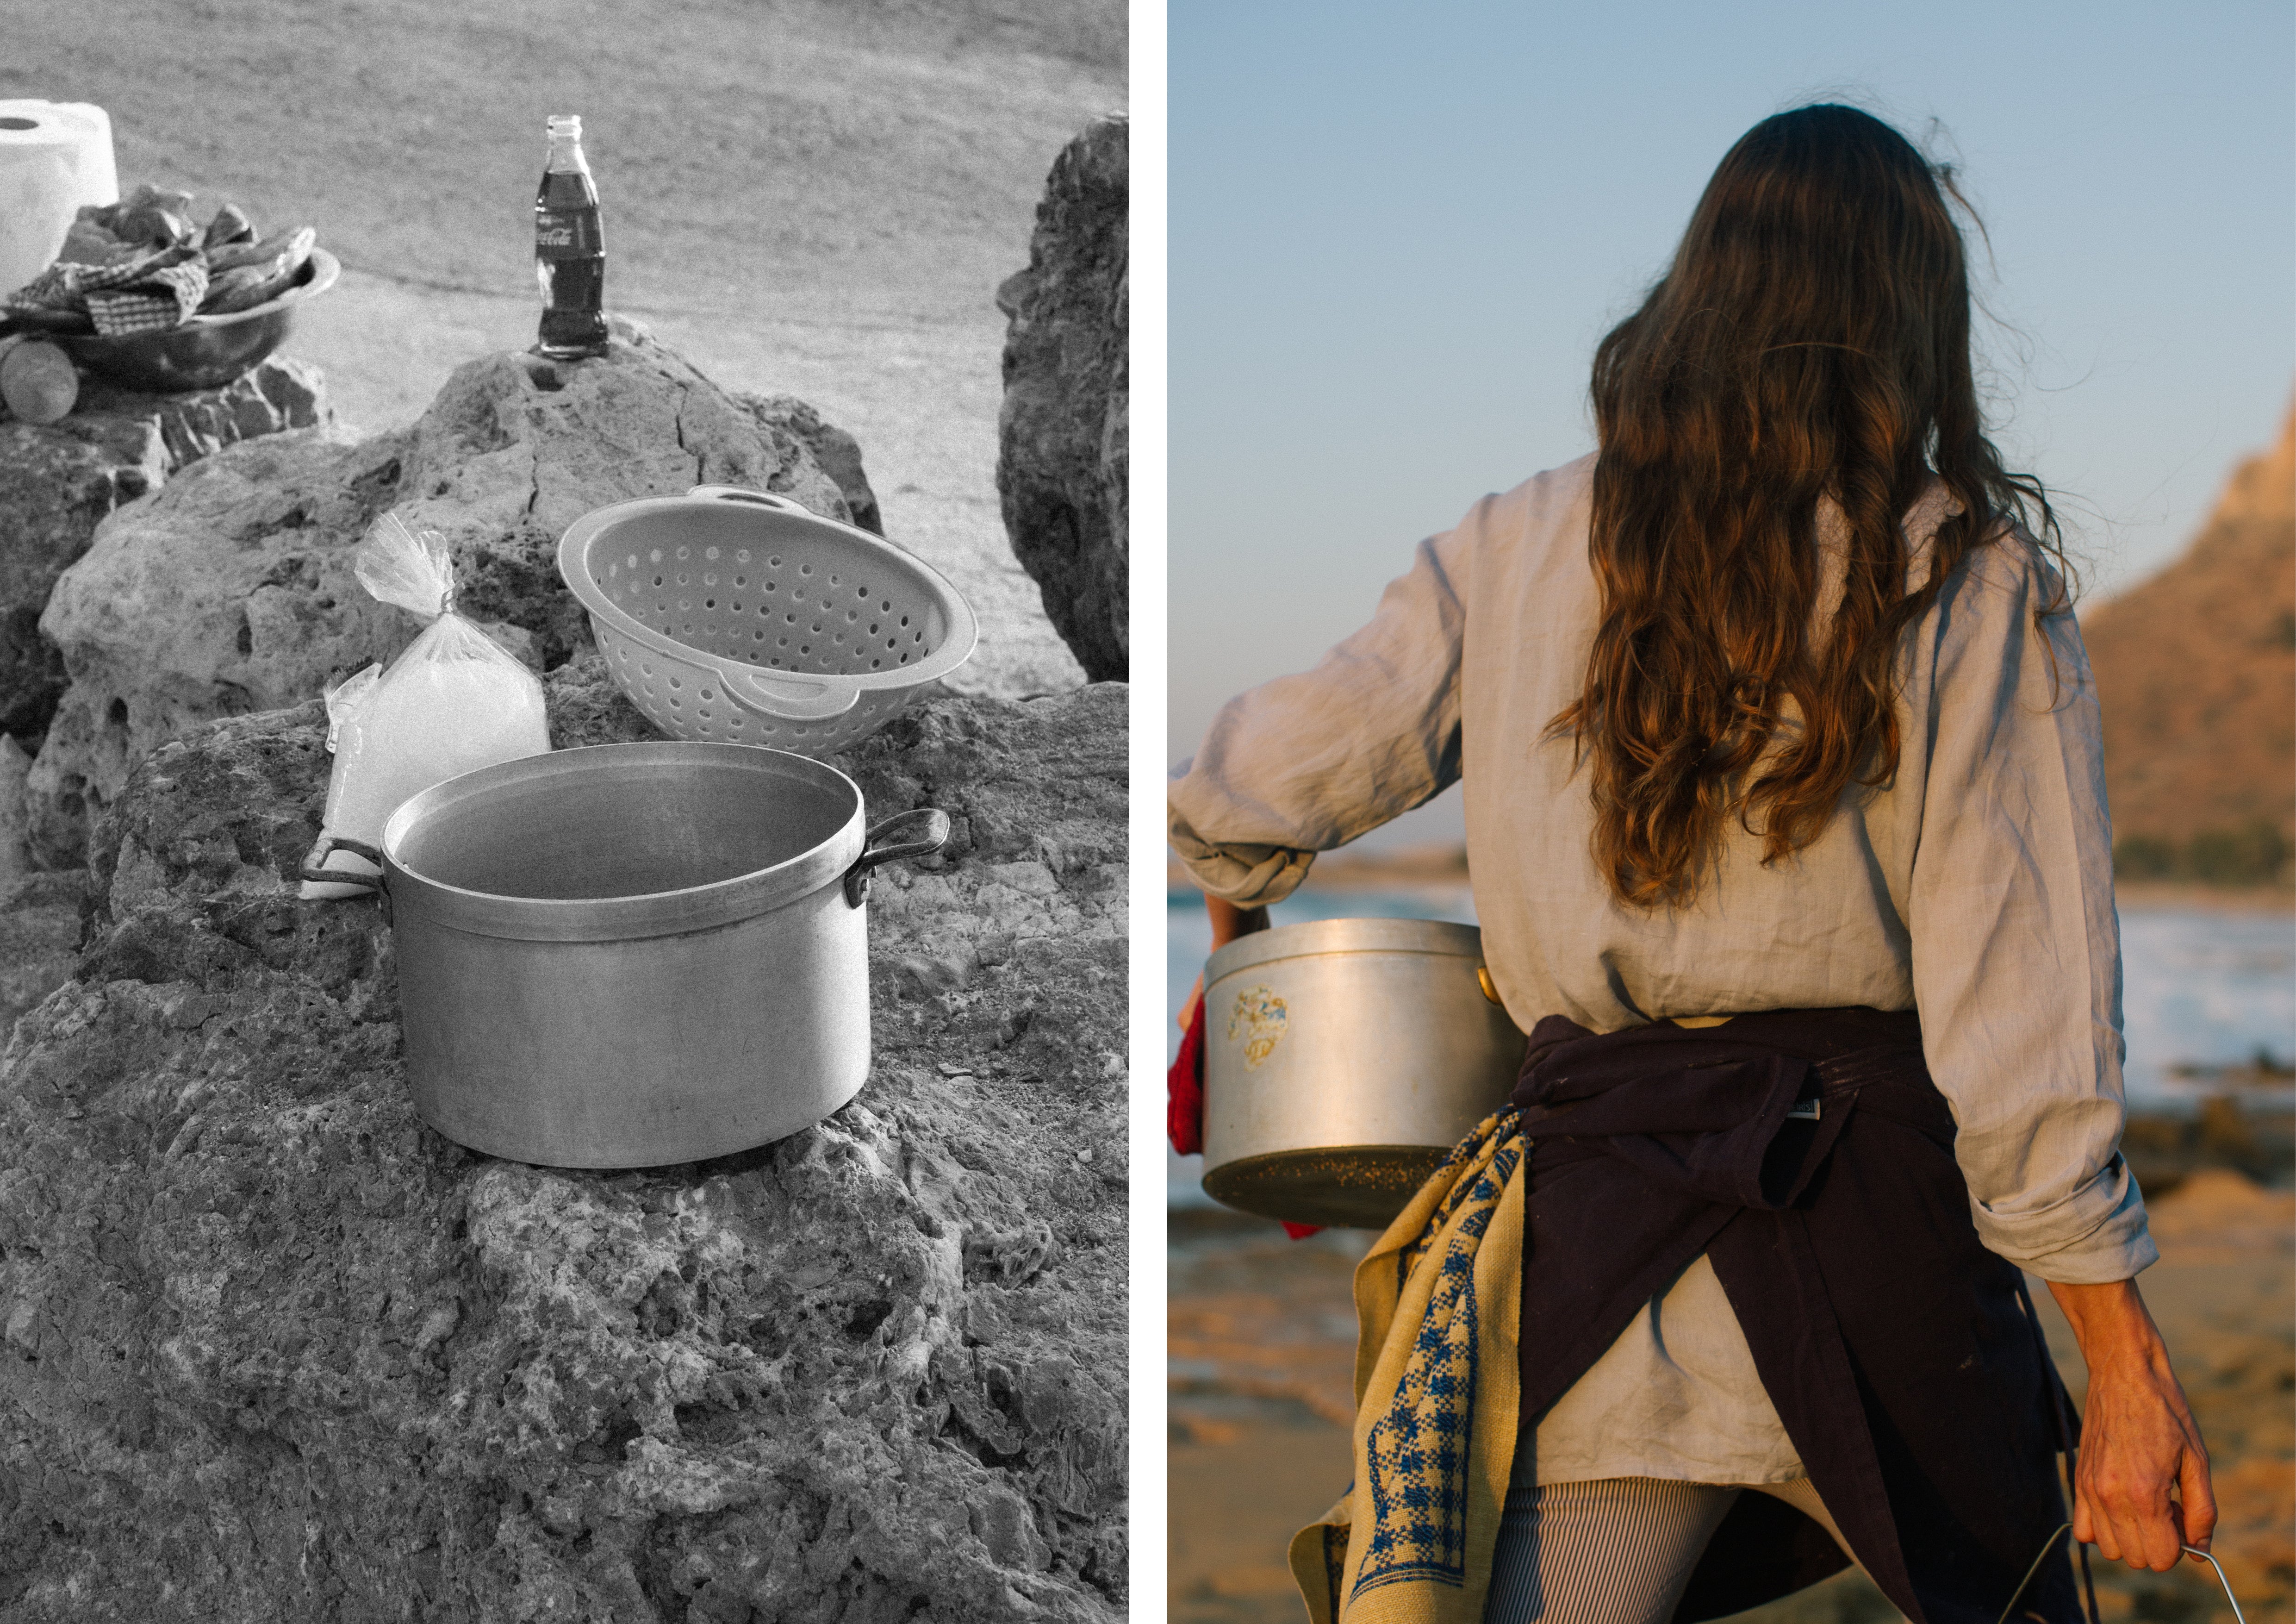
[
  {"x": 633, "y": 955},
  {"x": 1342, "y": 1061}
]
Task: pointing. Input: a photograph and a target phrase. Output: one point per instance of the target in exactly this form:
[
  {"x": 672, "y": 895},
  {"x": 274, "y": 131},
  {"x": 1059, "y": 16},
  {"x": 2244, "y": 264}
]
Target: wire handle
[
  {"x": 2042, "y": 1556},
  {"x": 2221, "y": 1580},
  {"x": 2050, "y": 1544}
]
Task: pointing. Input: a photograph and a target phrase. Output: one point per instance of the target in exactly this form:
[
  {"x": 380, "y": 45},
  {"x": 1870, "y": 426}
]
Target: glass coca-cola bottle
[{"x": 569, "y": 254}]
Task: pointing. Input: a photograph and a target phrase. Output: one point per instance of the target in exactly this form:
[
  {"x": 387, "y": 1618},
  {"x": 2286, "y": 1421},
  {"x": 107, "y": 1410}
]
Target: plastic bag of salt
[{"x": 453, "y": 701}]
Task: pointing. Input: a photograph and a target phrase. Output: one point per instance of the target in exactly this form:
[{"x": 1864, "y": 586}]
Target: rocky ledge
[
  {"x": 59, "y": 481},
  {"x": 230, "y": 590},
  {"x": 270, "y": 1349}
]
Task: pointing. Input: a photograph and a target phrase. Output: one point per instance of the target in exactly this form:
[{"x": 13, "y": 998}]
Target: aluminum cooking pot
[
  {"x": 1342, "y": 1061},
  {"x": 633, "y": 955}
]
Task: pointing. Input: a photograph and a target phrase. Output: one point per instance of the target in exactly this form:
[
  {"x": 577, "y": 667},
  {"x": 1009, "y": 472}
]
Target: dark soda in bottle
[{"x": 569, "y": 253}]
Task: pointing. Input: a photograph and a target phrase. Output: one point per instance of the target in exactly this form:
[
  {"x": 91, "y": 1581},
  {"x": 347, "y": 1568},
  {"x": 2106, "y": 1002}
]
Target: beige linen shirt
[{"x": 1976, "y": 886}]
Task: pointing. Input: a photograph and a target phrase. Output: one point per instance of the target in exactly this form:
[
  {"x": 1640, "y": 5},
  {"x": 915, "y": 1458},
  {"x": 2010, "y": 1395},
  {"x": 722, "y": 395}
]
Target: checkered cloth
[
  {"x": 164, "y": 299},
  {"x": 1437, "y": 1386},
  {"x": 146, "y": 292}
]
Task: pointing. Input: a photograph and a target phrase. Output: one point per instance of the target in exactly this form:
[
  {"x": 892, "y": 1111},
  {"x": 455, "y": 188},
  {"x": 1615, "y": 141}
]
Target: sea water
[{"x": 2201, "y": 988}]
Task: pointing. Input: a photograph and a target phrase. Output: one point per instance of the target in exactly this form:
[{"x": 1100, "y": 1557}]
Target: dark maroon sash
[{"x": 1809, "y": 1155}]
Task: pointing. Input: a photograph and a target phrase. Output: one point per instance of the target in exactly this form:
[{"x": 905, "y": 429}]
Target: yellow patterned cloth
[{"x": 1437, "y": 1304}]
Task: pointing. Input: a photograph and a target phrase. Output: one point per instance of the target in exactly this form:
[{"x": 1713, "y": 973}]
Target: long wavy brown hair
[{"x": 1810, "y": 340}]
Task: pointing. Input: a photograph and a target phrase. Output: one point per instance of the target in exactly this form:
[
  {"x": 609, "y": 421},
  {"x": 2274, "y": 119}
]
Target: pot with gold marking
[{"x": 1342, "y": 1061}]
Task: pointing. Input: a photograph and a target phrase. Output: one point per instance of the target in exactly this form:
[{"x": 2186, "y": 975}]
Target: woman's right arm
[{"x": 2017, "y": 974}]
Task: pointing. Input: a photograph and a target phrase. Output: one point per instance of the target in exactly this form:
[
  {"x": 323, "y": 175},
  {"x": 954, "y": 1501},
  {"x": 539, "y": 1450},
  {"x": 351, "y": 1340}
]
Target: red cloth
[
  {"x": 1183, "y": 1108},
  {"x": 1184, "y": 1088}
]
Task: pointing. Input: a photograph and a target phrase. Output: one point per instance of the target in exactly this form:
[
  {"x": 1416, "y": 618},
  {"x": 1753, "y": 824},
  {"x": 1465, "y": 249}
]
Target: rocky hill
[{"x": 2196, "y": 672}]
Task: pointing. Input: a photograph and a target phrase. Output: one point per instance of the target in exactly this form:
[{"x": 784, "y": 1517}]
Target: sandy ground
[{"x": 1262, "y": 1345}]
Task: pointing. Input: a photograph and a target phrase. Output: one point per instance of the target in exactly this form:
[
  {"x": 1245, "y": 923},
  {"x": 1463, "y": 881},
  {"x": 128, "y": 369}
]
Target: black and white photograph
[{"x": 563, "y": 665}]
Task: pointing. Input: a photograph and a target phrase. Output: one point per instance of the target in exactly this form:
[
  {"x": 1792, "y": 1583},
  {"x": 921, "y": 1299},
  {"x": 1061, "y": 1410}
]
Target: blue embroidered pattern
[{"x": 1419, "y": 1452}]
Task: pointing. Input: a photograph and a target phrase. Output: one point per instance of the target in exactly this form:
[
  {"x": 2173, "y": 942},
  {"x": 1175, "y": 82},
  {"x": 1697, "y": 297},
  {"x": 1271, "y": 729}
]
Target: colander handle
[
  {"x": 793, "y": 698},
  {"x": 755, "y": 498},
  {"x": 931, "y": 834}
]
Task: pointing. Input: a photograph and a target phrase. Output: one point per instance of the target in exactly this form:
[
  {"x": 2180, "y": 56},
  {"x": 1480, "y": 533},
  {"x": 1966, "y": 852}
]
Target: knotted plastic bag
[{"x": 452, "y": 702}]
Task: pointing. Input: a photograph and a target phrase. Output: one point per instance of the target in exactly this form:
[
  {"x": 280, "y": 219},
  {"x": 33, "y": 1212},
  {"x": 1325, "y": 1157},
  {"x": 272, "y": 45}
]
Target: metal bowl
[
  {"x": 1342, "y": 1061},
  {"x": 208, "y": 351}
]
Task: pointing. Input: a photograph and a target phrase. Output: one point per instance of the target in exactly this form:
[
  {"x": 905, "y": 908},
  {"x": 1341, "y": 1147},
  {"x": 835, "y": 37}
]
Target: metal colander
[{"x": 738, "y": 617}]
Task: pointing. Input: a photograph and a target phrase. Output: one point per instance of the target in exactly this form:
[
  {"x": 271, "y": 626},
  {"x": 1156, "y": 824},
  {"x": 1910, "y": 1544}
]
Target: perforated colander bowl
[{"x": 738, "y": 617}]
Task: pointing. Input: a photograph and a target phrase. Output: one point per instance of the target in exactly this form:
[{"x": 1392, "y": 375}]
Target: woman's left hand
[{"x": 2139, "y": 1443}]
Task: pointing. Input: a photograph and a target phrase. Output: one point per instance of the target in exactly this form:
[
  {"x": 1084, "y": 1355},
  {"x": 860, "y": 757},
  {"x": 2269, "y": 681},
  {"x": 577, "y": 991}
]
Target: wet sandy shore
[{"x": 1262, "y": 1342}]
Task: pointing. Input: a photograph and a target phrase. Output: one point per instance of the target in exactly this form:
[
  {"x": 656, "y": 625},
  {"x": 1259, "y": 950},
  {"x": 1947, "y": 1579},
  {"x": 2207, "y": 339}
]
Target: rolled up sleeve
[
  {"x": 2016, "y": 946},
  {"x": 1309, "y": 762}
]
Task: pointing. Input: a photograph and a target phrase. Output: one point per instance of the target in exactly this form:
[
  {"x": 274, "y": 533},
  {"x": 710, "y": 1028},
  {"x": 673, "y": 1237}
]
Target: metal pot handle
[
  {"x": 878, "y": 850},
  {"x": 325, "y": 847}
]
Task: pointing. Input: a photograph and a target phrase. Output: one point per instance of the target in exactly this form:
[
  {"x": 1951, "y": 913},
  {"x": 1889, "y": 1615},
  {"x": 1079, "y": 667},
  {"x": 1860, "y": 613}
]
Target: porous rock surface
[
  {"x": 270, "y": 1349},
  {"x": 231, "y": 591},
  {"x": 58, "y": 481},
  {"x": 15, "y": 767},
  {"x": 39, "y": 929},
  {"x": 1060, "y": 467}
]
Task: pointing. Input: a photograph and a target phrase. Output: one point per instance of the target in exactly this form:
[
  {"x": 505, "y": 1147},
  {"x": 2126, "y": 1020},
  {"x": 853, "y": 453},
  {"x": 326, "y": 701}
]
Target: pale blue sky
[{"x": 1397, "y": 232}]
